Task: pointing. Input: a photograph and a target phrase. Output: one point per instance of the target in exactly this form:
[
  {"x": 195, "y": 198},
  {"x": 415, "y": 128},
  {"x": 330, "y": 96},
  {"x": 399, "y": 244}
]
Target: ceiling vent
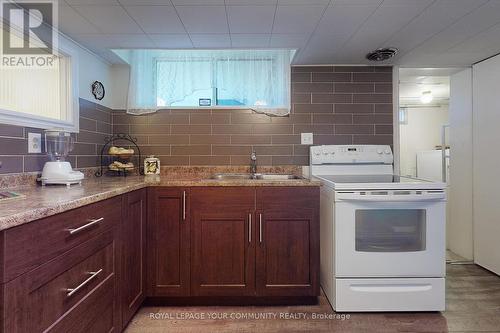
[{"x": 382, "y": 54}]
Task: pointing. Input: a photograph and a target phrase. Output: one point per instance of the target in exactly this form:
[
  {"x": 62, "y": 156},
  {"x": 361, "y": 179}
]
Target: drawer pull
[
  {"x": 250, "y": 228},
  {"x": 260, "y": 228},
  {"x": 85, "y": 226},
  {"x": 72, "y": 291},
  {"x": 184, "y": 205}
]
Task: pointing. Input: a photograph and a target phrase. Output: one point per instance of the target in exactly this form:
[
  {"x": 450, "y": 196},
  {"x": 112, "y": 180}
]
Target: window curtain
[{"x": 255, "y": 79}]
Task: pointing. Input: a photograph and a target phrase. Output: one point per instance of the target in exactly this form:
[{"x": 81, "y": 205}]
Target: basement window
[
  {"x": 39, "y": 90},
  {"x": 255, "y": 79}
]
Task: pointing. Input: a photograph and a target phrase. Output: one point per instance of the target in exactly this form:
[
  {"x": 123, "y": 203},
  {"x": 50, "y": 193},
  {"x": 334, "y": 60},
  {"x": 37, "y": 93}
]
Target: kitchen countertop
[{"x": 40, "y": 202}]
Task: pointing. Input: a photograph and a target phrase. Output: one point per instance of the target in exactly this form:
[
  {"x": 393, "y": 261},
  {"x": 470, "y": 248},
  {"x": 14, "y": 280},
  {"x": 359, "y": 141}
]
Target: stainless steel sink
[
  {"x": 272, "y": 176},
  {"x": 231, "y": 176},
  {"x": 257, "y": 176}
]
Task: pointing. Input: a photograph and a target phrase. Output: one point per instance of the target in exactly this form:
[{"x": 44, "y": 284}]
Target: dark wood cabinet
[
  {"x": 133, "y": 254},
  {"x": 288, "y": 246},
  {"x": 169, "y": 228},
  {"x": 72, "y": 293},
  {"x": 93, "y": 266},
  {"x": 223, "y": 241}
]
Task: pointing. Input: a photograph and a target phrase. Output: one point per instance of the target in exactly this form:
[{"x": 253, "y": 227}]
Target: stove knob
[
  {"x": 325, "y": 153},
  {"x": 379, "y": 151},
  {"x": 387, "y": 151},
  {"x": 317, "y": 153}
]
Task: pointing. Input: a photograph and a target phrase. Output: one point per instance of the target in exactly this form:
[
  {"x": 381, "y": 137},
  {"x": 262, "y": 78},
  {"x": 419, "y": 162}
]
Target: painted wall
[
  {"x": 459, "y": 227},
  {"x": 423, "y": 132},
  {"x": 486, "y": 163}
]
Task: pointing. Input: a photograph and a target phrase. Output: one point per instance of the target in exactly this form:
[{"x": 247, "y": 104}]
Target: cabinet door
[
  {"x": 223, "y": 253},
  {"x": 168, "y": 242},
  {"x": 288, "y": 241},
  {"x": 133, "y": 258}
]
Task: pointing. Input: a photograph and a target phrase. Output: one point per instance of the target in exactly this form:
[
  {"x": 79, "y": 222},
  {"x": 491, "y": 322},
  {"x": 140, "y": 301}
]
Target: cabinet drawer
[
  {"x": 40, "y": 299},
  {"x": 30, "y": 245}
]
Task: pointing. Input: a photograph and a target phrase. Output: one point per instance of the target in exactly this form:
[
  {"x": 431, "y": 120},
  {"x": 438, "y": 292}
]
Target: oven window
[{"x": 390, "y": 230}]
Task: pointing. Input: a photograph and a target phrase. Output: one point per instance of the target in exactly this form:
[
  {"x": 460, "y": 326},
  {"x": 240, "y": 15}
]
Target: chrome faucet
[{"x": 253, "y": 163}]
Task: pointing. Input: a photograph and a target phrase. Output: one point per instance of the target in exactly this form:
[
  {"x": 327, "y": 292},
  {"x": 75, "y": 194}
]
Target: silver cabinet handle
[
  {"x": 250, "y": 227},
  {"x": 85, "y": 226},
  {"x": 184, "y": 205},
  {"x": 72, "y": 291},
  {"x": 260, "y": 228}
]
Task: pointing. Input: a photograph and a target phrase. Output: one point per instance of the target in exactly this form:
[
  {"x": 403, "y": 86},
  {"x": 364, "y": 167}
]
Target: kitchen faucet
[{"x": 253, "y": 163}]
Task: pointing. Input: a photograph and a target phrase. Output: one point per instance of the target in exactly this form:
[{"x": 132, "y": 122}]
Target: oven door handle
[{"x": 439, "y": 196}]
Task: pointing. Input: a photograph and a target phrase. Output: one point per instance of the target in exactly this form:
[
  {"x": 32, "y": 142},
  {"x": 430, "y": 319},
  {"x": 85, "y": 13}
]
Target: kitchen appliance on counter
[
  {"x": 382, "y": 236},
  {"x": 58, "y": 144}
]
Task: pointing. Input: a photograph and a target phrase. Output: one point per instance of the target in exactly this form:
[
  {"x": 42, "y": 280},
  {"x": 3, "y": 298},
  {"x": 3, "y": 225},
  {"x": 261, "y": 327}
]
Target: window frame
[{"x": 70, "y": 102}]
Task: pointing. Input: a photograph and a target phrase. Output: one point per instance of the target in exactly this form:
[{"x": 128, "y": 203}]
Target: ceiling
[
  {"x": 431, "y": 33},
  {"x": 414, "y": 81}
]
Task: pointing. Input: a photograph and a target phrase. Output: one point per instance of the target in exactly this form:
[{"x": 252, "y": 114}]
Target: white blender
[{"x": 58, "y": 144}]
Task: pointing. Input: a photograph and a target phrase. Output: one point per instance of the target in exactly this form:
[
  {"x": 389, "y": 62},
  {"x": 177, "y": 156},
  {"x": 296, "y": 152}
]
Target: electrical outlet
[
  {"x": 306, "y": 138},
  {"x": 34, "y": 143}
]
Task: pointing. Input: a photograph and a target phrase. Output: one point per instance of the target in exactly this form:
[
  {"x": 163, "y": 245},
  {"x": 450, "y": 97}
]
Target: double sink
[{"x": 254, "y": 176}]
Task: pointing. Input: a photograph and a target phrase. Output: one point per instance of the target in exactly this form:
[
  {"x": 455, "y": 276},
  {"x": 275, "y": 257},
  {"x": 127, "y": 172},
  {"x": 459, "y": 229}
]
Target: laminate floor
[{"x": 473, "y": 305}]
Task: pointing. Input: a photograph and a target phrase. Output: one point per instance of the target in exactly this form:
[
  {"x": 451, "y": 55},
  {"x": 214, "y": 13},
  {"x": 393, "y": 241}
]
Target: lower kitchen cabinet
[
  {"x": 168, "y": 242},
  {"x": 75, "y": 292},
  {"x": 260, "y": 241},
  {"x": 223, "y": 241},
  {"x": 287, "y": 255},
  {"x": 133, "y": 254},
  {"x": 89, "y": 269}
]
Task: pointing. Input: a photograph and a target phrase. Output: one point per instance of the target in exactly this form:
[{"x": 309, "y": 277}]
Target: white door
[
  {"x": 486, "y": 163},
  {"x": 390, "y": 235}
]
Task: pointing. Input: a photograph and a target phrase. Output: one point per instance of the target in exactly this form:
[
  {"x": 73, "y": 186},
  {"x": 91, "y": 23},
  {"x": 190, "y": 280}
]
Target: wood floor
[{"x": 473, "y": 305}]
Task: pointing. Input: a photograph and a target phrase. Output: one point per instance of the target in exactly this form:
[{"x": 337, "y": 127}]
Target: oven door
[{"x": 390, "y": 233}]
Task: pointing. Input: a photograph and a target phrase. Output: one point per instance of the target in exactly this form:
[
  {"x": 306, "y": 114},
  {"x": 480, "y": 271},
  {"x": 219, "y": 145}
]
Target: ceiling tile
[
  {"x": 171, "y": 41},
  {"x": 156, "y": 19},
  {"x": 303, "y": 2},
  {"x": 211, "y": 40},
  {"x": 297, "y": 19},
  {"x": 109, "y": 19},
  {"x": 344, "y": 19},
  {"x": 70, "y": 22},
  {"x": 288, "y": 40},
  {"x": 251, "y": 2},
  {"x": 250, "y": 40},
  {"x": 197, "y": 2},
  {"x": 433, "y": 20},
  {"x": 203, "y": 19},
  {"x": 145, "y": 2},
  {"x": 357, "y": 2},
  {"x": 242, "y": 19},
  {"x": 92, "y": 2}
]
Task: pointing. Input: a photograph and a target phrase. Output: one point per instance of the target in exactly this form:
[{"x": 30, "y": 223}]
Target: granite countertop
[{"x": 40, "y": 202}]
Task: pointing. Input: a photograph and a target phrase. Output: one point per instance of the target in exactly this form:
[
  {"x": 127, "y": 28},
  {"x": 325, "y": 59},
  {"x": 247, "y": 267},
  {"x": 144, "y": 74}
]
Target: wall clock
[{"x": 98, "y": 90}]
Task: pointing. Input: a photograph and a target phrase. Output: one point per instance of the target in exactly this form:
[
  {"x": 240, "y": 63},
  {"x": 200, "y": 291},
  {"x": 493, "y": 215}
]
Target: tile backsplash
[
  {"x": 338, "y": 104},
  {"x": 95, "y": 124}
]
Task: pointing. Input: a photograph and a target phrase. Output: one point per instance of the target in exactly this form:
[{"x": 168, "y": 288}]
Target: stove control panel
[{"x": 351, "y": 154}]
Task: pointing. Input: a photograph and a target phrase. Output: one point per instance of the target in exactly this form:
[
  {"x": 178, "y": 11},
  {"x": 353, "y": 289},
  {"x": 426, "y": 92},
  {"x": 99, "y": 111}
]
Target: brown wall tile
[
  {"x": 11, "y": 164},
  {"x": 338, "y": 104},
  {"x": 331, "y": 77},
  {"x": 11, "y": 131}
]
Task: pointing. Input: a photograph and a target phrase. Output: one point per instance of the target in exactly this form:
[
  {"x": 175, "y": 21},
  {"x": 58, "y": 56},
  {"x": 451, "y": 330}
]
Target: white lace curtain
[{"x": 256, "y": 79}]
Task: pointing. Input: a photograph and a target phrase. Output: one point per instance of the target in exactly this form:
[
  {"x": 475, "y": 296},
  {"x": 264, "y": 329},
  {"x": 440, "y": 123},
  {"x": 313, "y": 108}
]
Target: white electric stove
[{"x": 382, "y": 236}]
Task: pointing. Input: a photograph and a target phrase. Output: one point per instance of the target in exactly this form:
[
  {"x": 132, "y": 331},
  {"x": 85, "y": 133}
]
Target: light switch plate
[
  {"x": 34, "y": 143},
  {"x": 306, "y": 138}
]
